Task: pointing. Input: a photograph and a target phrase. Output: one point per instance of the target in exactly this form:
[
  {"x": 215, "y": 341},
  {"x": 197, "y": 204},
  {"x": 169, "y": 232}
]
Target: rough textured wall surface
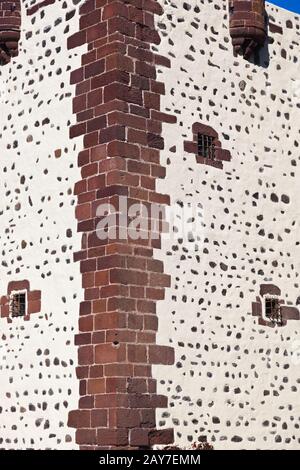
[
  {"x": 38, "y": 230},
  {"x": 235, "y": 381}
]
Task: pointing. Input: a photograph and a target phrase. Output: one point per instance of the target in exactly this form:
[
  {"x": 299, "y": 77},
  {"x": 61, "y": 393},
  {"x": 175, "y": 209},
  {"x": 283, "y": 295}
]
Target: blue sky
[{"x": 293, "y": 5}]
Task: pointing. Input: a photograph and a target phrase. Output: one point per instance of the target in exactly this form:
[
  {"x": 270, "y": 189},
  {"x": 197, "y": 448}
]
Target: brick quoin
[
  {"x": 117, "y": 105},
  {"x": 10, "y": 26}
]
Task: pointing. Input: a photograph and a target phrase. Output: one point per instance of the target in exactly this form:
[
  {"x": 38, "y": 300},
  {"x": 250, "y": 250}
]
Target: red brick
[
  {"x": 137, "y": 353},
  {"x": 116, "y": 385},
  {"x": 162, "y": 436},
  {"x": 76, "y": 39},
  {"x": 99, "y": 418},
  {"x": 86, "y": 436},
  {"x": 127, "y": 418},
  {"x": 110, "y": 320},
  {"x": 96, "y": 31},
  {"x": 83, "y": 338},
  {"x": 34, "y": 306},
  {"x": 161, "y": 355},
  {"x": 85, "y": 355},
  {"x": 139, "y": 437},
  {"x": 96, "y": 371},
  {"x": 127, "y": 276},
  {"x": 122, "y": 149},
  {"x": 118, "y": 370},
  {"x": 96, "y": 124},
  {"x": 111, "y": 400},
  {"x": 79, "y": 419},
  {"x": 108, "y": 353},
  {"x": 90, "y": 18},
  {"x": 18, "y": 285},
  {"x": 112, "y": 437},
  {"x": 96, "y": 386}
]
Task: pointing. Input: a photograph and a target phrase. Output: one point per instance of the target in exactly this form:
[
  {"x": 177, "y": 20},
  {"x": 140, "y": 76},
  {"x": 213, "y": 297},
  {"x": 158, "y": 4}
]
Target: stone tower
[{"x": 187, "y": 336}]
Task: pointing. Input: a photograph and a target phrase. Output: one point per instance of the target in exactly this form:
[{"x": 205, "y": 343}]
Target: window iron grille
[
  {"x": 18, "y": 304},
  {"x": 273, "y": 311},
  {"x": 206, "y": 147}
]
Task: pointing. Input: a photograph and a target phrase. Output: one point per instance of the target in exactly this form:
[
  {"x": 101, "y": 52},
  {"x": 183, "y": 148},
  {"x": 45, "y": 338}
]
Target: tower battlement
[
  {"x": 248, "y": 25},
  {"x": 10, "y": 25}
]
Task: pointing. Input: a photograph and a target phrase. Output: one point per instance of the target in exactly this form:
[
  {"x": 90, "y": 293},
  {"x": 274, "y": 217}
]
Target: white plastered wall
[
  {"x": 38, "y": 231},
  {"x": 234, "y": 382}
]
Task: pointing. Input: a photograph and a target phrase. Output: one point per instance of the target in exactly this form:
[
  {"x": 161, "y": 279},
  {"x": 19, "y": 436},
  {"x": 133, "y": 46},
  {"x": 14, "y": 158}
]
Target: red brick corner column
[
  {"x": 10, "y": 26},
  {"x": 117, "y": 105}
]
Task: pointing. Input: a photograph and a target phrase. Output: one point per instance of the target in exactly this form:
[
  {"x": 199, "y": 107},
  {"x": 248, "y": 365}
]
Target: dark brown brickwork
[
  {"x": 117, "y": 105},
  {"x": 220, "y": 155},
  {"x": 10, "y": 24},
  {"x": 248, "y": 25},
  {"x": 33, "y": 300}
]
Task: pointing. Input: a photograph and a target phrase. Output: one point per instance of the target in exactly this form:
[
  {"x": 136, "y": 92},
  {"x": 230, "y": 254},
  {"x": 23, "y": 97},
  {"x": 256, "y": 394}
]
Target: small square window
[
  {"x": 206, "y": 147},
  {"x": 272, "y": 310},
  {"x": 18, "y": 304}
]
